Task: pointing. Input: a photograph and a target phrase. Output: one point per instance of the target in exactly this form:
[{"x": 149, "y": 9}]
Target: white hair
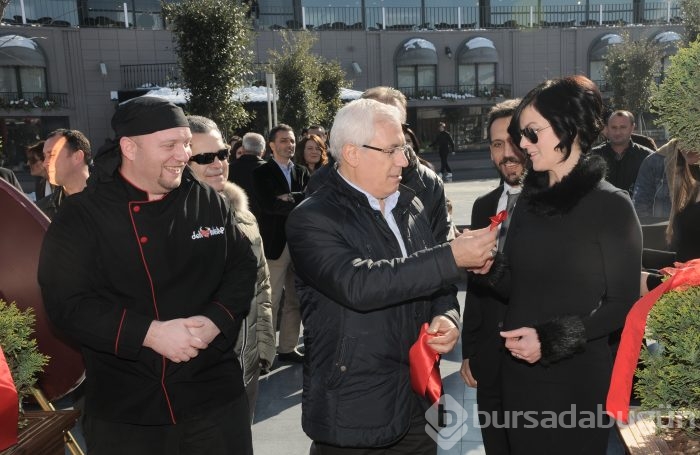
[
  {"x": 355, "y": 123},
  {"x": 253, "y": 144}
]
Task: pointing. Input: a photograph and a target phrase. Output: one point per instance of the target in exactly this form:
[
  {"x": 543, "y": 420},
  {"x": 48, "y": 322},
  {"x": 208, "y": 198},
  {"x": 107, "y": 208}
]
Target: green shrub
[
  {"x": 670, "y": 379},
  {"x": 23, "y": 357}
]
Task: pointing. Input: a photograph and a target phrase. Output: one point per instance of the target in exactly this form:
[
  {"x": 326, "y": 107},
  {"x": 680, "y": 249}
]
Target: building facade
[{"x": 66, "y": 63}]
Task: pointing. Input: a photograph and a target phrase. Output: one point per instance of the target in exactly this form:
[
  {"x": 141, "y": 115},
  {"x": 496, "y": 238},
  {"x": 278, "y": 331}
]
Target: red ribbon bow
[
  {"x": 497, "y": 219},
  {"x": 618, "y": 401},
  {"x": 425, "y": 368}
]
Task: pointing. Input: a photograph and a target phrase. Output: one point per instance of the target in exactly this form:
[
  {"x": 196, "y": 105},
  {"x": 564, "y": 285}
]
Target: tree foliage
[
  {"x": 670, "y": 379},
  {"x": 308, "y": 85},
  {"x": 213, "y": 40},
  {"x": 691, "y": 19},
  {"x": 631, "y": 70},
  {"x": 677, "y": 99}
]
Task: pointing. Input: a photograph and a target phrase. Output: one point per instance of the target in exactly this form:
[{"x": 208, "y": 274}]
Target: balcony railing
[
  {"x": 578, "y": 14},
  {"x": 33, "y": 100},
  {"x": 457, "y": 92},
  {"x": 150, "y": 75}
]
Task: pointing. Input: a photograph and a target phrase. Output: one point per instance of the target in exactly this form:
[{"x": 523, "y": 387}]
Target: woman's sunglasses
[
  {"x": 531, "y": 133},
  {"x": 208, "y": 158}
]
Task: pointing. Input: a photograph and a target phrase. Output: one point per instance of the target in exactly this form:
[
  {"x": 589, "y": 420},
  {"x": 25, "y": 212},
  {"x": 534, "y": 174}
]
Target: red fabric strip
[
  {"x": 497, "y": 219},
  {"x": 425, "y": 369},
  {"x": 618, "y": 401}
]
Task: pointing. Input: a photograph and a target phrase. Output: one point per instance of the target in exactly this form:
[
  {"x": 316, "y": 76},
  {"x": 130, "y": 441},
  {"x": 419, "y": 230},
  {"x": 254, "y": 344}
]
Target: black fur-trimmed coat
[{"x": 573, "y": 262}]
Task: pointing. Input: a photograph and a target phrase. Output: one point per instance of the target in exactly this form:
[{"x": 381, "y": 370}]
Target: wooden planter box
[
  {"x": 640, "y": 438},
  {"x": 44, "y": 435}
]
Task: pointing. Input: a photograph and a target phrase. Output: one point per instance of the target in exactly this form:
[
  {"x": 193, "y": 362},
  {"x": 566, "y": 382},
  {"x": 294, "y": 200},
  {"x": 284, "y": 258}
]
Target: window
[
  {"x": 669, "y": 44},
  {"x": 596, "y": 57},
  {"x": 22, "y": 68},
  {"x": 476, "y": 67},
  {"x": 416, "y": 68}
]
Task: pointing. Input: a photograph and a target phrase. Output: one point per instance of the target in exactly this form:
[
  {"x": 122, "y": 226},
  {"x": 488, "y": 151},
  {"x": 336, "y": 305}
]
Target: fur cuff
[
  {"x": 491, "y": 279},
  {"x": 560, "y": 338}
]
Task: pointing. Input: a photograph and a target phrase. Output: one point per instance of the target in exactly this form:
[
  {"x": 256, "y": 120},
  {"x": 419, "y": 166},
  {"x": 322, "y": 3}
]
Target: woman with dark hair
[
  {"x": 35, "y": 160},
  {"x": 311, "y": 152},
  {"x": 570, "y": 268}
]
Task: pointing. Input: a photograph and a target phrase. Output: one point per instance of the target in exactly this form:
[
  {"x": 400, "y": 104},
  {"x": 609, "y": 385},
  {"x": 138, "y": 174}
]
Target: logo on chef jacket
[{"x": 206, "y": 232}]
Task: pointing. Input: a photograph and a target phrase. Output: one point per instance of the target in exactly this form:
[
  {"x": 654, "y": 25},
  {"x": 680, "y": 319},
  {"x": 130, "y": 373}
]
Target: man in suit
[
  {"x": 483, "y": 310},
  {"x": 279, "y": 187},
  {"x": 240, "y": 171}
]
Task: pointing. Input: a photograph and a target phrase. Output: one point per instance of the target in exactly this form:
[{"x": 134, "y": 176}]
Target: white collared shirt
[
  {"x": 503, "y": 200},
  {"x": 287, "y": 171},
  {"x": 389, "y": 204}
]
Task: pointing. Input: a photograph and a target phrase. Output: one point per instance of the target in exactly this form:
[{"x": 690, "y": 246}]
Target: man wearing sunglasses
[
  {"x": 147, "y": 270},
  {"x": 279, "y": 187}
]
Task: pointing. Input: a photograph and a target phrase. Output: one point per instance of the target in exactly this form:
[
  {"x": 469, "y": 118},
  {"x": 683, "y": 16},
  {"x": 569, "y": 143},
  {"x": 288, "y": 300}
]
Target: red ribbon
[
  {"x": 497, "y": 219},
  {"x": 618, "y": 402},
  {"x": 425, "y": 369},
  {"x": 9, "y": 406}
]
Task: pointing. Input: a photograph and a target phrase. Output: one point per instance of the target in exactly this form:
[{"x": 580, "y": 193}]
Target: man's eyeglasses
[
  {"x": 390, "y": 151},
  {"x": 531, "y": 133},
  {"x": 208, "y": 158}
]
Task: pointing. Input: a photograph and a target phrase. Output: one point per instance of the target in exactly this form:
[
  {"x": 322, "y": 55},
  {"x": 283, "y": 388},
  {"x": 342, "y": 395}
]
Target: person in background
[
  {"x": 420, "y": 178},
  {"x": 237, "y": 149},
  {"x": 622, "y": 156},
  {"x": 652, "y": 192},
  {"x": 148, "y": 272},
  {"x": 445, "y": 145},
  {"x": 370, "y": 275},
  {"x": 279, "y": 187},
  {"x": 570, "y": 270},
  {"x": 483, "y": 308},
  {"x": 255, "y": 347},
  {"x": 241, "y": 169},
  {"x": 319, "y": 131},
  {"x": 35, "y": 161},
  {"x": 67, "y": 159},
  {"x": 311, "y": 153},
  {"x": 10, "y": 177}
]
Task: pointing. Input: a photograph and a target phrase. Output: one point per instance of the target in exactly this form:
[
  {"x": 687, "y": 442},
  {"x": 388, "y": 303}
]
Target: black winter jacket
[{"x": 362, "y": 307}]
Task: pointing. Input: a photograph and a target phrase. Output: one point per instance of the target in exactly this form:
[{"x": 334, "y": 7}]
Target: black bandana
[
  {"x": 136, "y": 117},
  {"x": 146, "y": 115}
]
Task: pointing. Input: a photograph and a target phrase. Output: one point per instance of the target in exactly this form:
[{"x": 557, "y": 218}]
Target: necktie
[{"x": 512, "y": 197}]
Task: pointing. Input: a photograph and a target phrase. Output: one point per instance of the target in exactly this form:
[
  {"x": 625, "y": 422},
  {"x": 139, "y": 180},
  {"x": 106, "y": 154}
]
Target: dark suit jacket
[
  {"x": 268, "y": 183},
  {"x": 240, "y": 172},
  {"x": 483, "y": 310}
]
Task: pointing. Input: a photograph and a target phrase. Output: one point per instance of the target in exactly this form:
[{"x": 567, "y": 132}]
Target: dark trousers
[
  {"x": 444, "y": 167},
  {"x": 493, "y": 434},
  {"x": 225, "y": 429},
  {"x": 415, "y": 442}
]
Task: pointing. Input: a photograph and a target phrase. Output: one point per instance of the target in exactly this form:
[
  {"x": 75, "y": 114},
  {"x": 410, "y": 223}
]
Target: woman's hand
[{"x": 523, "y": 344}]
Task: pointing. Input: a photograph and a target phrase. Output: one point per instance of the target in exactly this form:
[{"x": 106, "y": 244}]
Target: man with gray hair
[
  {"x": 240, "y": 171},
  {"x": 371, "y": 274}
]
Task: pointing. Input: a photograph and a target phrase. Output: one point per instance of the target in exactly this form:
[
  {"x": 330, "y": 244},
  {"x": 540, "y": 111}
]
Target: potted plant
[{"x": 23, "y": 357}]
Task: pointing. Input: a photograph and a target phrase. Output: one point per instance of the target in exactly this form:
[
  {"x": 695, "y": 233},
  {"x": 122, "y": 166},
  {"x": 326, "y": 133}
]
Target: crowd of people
[{"x": 174, "y": 257}]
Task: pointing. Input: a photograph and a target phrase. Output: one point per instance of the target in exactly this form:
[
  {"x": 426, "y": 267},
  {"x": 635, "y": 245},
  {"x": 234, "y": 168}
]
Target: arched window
[
  {"x": 669, "y": 46},
  {"x": 416, "y": 68},
  {"x": 596, "y": 57},
  {"x": 22, "y": 68},
  {"x": 476, "y": 67}
]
